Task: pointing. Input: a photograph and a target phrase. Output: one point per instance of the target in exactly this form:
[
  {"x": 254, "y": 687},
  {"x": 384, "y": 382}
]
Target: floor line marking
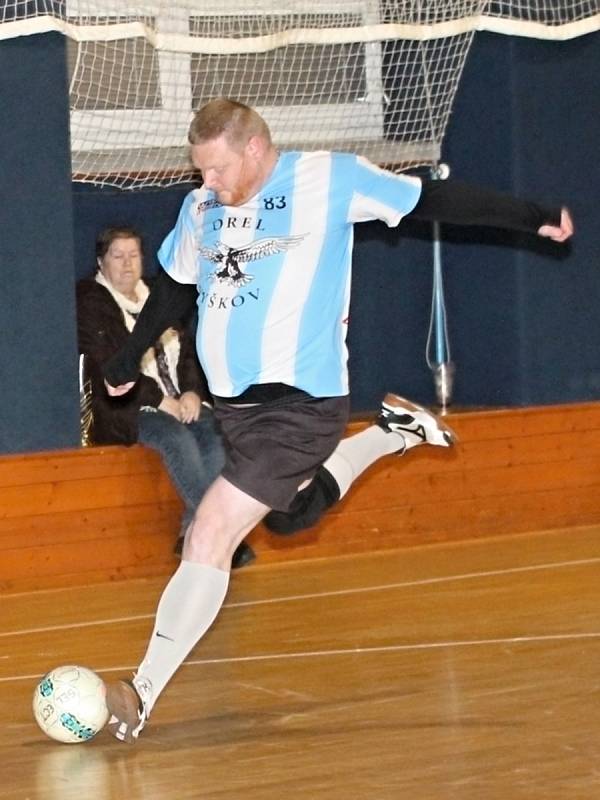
[
  {"x": 351, "y": 651},
  {"x": 317, "y": 595},
  {"x": 420, "y": 582}
]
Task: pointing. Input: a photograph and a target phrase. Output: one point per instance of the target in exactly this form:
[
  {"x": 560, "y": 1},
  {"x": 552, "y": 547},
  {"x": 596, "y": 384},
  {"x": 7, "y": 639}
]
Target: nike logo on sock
[{"x": 162, "y": 636}]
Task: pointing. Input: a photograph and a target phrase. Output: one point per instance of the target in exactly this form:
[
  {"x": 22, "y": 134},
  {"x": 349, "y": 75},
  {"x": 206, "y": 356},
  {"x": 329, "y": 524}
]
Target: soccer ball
[{"x": 69, "y": 704}]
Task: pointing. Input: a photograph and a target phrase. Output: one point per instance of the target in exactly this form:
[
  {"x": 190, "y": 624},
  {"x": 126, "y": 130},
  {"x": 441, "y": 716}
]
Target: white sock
[
  {"x": 355, "y": 454},
  {"x": 186, "y": 610}
]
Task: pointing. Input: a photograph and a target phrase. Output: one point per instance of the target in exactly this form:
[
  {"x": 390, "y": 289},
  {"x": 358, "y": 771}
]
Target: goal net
[{"x": 377, "y": 77}]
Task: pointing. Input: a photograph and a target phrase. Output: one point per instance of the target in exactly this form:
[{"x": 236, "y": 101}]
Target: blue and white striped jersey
[{"x": 273, "y": 275}]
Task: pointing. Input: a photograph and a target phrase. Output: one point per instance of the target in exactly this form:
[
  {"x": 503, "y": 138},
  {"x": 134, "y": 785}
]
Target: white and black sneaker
[
  {"x": 127, "y": 703},
  {"x": 403, "y": 417}
]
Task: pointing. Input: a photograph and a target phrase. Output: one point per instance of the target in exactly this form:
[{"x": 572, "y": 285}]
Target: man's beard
[{"x": 244, "y": 190}]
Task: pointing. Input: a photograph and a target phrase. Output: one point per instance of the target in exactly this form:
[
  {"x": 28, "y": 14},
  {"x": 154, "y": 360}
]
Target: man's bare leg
[{"x": 189, "y": 604}]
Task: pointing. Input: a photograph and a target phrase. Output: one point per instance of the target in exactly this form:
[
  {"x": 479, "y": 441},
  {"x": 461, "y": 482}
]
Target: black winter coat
[{"x": 101, "y": 333}]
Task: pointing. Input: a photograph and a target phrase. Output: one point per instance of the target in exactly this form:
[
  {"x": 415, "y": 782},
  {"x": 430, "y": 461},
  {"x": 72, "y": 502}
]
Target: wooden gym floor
[{"x": 460, "y": 670}]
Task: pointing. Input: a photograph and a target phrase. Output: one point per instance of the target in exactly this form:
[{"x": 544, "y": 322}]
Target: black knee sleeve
[{"x": 307, "y": 507}]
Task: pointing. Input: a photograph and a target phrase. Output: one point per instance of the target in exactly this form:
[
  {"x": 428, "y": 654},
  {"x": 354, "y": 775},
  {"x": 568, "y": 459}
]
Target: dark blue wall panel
[
  {"x": 522, "y": 311},
  {"x": 559, "y": 131},
  {"x": 38, "y": 355}
]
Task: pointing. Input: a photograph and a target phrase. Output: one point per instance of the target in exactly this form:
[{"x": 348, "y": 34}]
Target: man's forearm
[
  {"x": 462, "y": 204},
  {"x": 168, "y": 303}
]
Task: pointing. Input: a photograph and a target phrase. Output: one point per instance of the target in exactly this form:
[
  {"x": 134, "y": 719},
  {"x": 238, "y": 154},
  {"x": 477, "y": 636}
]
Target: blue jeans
[{"x": 192, "y": 453}]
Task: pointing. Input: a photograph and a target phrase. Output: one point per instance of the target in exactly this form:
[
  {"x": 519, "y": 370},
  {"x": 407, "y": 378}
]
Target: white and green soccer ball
[{"x": 69, "y": 704}]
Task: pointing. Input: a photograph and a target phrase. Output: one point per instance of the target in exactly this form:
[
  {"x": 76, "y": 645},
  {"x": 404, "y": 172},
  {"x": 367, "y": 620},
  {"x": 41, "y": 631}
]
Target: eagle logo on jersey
[{"x": 230, "y": 258}]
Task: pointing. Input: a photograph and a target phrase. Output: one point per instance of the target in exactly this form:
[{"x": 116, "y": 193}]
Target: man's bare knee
[{"x": 223, "y": 518}]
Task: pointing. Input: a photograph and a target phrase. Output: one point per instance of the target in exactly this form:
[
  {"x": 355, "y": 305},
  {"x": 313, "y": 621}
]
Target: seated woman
[{"x": 165, "y": 410}]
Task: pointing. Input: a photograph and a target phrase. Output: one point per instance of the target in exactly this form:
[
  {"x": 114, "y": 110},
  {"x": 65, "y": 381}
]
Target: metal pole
[{"x": 439, "y": 361}]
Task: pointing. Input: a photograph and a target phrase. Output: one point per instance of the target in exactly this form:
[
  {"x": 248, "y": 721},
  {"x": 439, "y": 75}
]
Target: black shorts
[{"x": 273, "y": 447}]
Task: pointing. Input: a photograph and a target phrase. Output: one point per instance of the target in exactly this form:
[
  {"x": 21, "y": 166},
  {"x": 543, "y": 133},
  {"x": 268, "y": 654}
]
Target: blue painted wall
[
  {"x": 522, "y": 313},
  {"x": 38, "y": 351}
]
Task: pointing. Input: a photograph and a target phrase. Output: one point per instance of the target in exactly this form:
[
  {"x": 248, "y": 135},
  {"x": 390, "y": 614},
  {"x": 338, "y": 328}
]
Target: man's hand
[
  {"x": 558, "y": 233},
  {"x": 117, "y": 391}
]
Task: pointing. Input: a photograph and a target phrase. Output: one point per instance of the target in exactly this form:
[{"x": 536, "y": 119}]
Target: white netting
[{"x": 372, "y": 76}]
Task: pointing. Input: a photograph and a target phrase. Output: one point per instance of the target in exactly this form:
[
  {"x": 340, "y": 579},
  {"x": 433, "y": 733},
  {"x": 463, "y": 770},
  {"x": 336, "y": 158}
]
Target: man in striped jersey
[{"x": 264, "y": 248}]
